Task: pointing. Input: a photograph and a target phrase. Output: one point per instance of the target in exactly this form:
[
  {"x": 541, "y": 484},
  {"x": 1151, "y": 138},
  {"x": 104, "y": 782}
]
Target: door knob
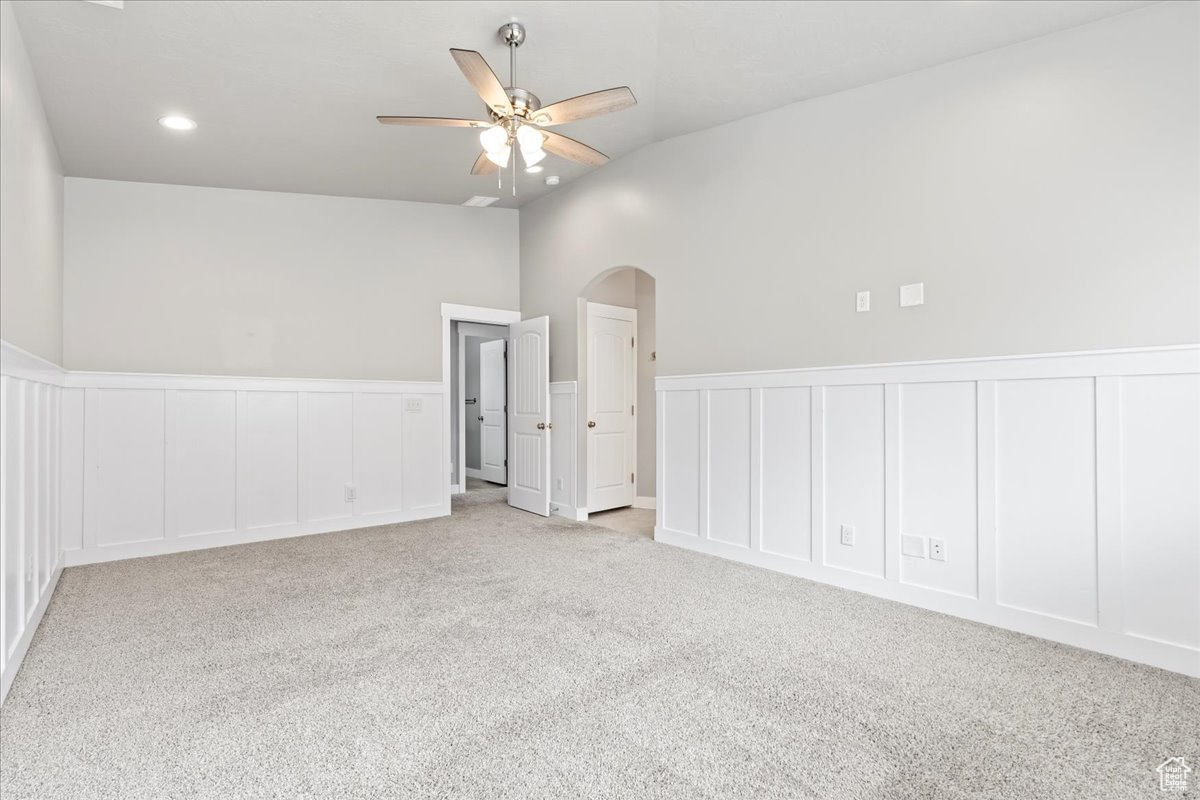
[
  {"x": 541, "y": 426},
  {"x": 481, "y": 419},
  {"x": 591, "y": 423}
]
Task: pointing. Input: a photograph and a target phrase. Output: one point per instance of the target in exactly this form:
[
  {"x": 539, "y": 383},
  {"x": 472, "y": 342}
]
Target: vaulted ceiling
[{"x": 286, "y": 93}]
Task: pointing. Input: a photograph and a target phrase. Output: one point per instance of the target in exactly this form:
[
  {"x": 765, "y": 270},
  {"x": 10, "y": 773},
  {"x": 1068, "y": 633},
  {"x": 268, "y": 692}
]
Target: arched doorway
[{"x": 616, "y": 334}]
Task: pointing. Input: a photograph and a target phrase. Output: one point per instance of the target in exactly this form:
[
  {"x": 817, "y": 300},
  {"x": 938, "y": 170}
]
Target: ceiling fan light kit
[{"x": 517, "y": 117}]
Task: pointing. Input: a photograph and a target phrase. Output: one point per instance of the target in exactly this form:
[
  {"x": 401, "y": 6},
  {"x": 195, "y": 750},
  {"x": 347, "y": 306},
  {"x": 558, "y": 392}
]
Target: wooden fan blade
[
  {"x": 567, "y": 147},
  {"x": 441, "y": 122},
  {"x": 483, "y": 165},
  {"x": 483, "y": 80},
  {"x": 584, "y": 106}
]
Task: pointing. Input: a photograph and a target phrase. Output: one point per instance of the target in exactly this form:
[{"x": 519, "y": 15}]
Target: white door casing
[
  {"x": 611, "y": 415},
  {"x": 493, "y": 412},
  {"x": 529, "y": 415}
]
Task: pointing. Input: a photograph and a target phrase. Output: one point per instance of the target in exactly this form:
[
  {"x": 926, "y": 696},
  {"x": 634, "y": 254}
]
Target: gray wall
[
  {"x": 1045, "y": 193},
  {"x": 644, "y": 293},
  {"x": 185, "y": 279},
  {"x": 31, "y": 206}
]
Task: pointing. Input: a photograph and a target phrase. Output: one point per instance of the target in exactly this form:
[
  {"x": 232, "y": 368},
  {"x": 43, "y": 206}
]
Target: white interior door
[
  {"x": 493, "y": 412},
  {"x": 611, "y": 393},
  {"x": 529, "y": 415}
]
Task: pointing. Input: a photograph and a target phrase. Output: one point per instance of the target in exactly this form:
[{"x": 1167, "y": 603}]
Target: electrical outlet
[
  {"x": 848, "y": 535},
  {"x": 862, "y": 301},
  {"x": 559, "y": 484},
  {"x": 351, "y": 492},
  {"x": 937, "y": 549},
  {"x": 412, "y": 404}
]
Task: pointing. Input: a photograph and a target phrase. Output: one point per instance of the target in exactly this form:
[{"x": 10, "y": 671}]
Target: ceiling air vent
[{"x": 478, "y": 201}]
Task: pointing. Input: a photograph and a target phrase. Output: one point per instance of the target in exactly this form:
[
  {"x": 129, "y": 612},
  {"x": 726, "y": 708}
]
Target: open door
[
  {"x": 529, "y": 415},
  {"x": 493, "y": 412}
]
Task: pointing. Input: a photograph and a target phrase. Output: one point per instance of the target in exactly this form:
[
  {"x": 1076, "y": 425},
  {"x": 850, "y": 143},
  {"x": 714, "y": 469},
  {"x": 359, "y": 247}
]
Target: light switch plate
[
  {"x": 912, "y": 546},
  {"x": 862, "y": 302},
  {"x": 912, "y": 295},
  {"x": 412, "y": 404}
]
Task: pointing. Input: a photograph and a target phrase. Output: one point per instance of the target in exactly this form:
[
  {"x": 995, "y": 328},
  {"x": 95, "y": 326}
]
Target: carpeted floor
[{"x": 495, "y": 654}]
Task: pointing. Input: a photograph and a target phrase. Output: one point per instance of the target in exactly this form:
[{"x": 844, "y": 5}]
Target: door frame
[
  {"x": 453, "y": 312},
  {"x": 466, "y": 329},
  {"x": 585, "y": 351}
]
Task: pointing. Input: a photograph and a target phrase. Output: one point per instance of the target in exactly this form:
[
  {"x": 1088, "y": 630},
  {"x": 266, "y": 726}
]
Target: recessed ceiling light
[
  {"x": 552, "y": 180},
  {"x": 479, "y": 201},
  {"x": 176, "y": 122},
  {"x": 535, "y": 169}
]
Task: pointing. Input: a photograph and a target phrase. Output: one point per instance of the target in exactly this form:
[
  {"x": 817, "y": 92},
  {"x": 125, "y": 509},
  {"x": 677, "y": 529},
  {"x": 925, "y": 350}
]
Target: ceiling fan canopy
[{"x": 516, "y": 116}]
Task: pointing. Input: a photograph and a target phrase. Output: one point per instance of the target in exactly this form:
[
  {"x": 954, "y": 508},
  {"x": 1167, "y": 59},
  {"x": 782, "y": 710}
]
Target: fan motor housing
[{"x": 524, "y": 102}]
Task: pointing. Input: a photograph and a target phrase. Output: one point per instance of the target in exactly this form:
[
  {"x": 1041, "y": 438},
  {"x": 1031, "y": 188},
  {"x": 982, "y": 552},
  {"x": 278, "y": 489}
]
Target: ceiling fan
[{"x": 517, "y": 117}]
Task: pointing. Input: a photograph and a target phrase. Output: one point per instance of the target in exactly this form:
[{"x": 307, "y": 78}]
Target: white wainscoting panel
[
  {"x": 202, "y": 466},
  {"x": 680, "y": 439},
  {"x": 564, "y": 403},
  {"x": 174, "y": 462},
  {"x": 785, "y": 486},
  {"x": 1046, "y": 497},
  {"x": 271, "y": 459},
  {"x": 31, "y": 466},
  {"x": 421, "y": 432},
  {"x": 938, "y": 483},
  {"x": 379, "y": 453},
  {"x": 854, "y": 477},
  {"x": 729, "y": 466},
  {"x": 329, "y": 455},
  {"x": 1160, "y": 482},
  {"x": 128, "y": 464},
  {"x": 1061, "y": 489}
]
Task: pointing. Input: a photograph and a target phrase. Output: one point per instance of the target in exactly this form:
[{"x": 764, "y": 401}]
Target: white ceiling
[{"x": 286, "y": 93}]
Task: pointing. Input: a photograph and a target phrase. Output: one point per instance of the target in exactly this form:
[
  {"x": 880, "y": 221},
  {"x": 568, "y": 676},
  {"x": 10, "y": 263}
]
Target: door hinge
[
  {"x": 631, "y": 477},
  {"x": 632, "y": 341},
  {"x": 631, "y": 411},
  {"x": 506, "y": 462}
]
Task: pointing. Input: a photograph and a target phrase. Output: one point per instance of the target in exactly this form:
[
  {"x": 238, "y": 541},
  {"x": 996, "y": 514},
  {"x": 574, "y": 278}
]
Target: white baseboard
[
  {"x": 645, "y": 502},
  {"x": 1145, "y": 651},
  {"x": 474, "y": 473},
  {"x": 570, "y": 512},
  {"x": 22, "y": 647},
  {"x": 76, "y": 558},
  {"x": 456, "y": 488}
]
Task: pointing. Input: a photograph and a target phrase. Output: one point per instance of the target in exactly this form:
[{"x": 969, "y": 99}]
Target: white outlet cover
[
  {"x": 412, "y": 404},
  {"x": 862, "y": 302},
  {"x": 912, "y": 295},
  {"x": 912, "y": 546},
  {"x": 937, "y": 549},
  {"x": 848, "y": 535}
]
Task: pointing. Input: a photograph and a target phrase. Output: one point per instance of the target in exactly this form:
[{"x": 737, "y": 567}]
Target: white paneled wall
[
  {"x": 564, "y": 402},
  {"x": 1062, "y": 490},
  {"x": 168, "y": 463},
  {"x": 31, "y": 398}
]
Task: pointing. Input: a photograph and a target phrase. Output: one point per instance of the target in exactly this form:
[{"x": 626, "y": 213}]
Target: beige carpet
[{"x": 495, "y": 654}]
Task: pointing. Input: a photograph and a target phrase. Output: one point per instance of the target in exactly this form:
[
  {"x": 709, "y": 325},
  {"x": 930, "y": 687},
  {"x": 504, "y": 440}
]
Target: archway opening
[{"x": 617, "y": 368}]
